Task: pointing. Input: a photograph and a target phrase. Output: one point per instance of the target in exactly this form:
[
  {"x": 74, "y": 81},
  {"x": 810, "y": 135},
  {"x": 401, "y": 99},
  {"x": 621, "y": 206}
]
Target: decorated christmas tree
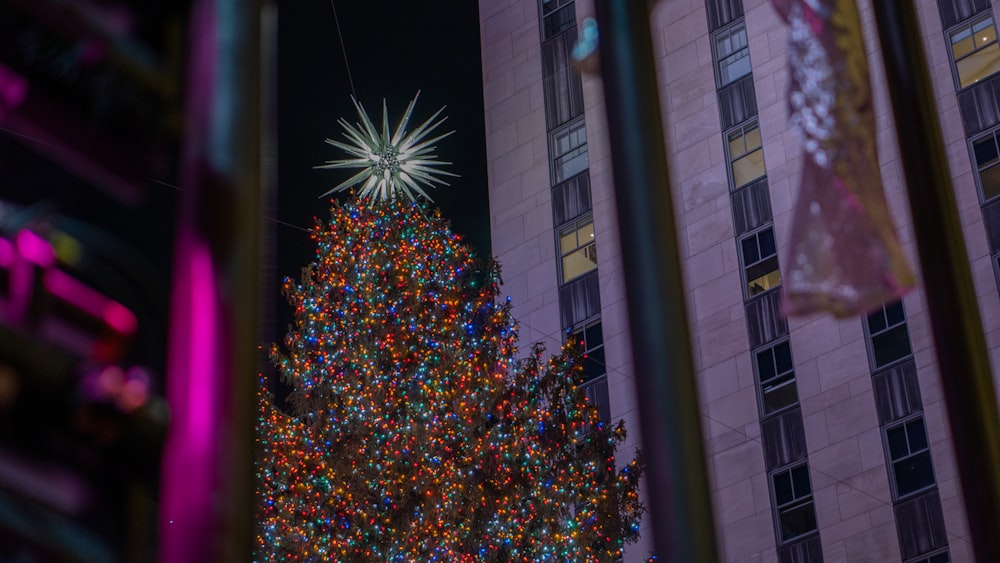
[{"x": 413, "y": 432}]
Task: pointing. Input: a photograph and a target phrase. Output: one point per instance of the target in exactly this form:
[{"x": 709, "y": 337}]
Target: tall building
[{"x": 826, "y": 440}]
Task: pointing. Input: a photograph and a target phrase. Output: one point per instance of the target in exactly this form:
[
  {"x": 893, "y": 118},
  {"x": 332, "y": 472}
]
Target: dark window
[
  {"x": 732, "y": 54},
  {"x": 890, "y": 340},
  {"x": 920, "y": 526},
  {"x": 897, "y": 393},
  {"x": 561, "y": 82},
  {"x": 974, "y": 50},
  {"x": 776, "y": 376},
  {"x": 987, "y": 157},
  {"x": 910, "y": 456},
  {"x": 794, "y": 502},
  {"x": 751, "y": 206},
  {"x": 557, "y": 16},
  {"x": 746, "y": 156},
  {"x": 568, "y": 147},
  {"x": 954, "y": 11},
  {"x": 808, "y": 550},
  {"x": 721, "y": 12},
  {"x": 571, "y": 198},
  {"x": 784, "y": 438},
  {"x": 939, "y": 557},
  {"x": 765, "y": 323},
  {"x": 760, "y": 262},
  {"x": 577, "y": 249},
  {"x": 579, "y": 300},
  {"x": 597, "y": 394},
  {"x": 737, "y": 102},
  {"x": 590, "y": 341}
]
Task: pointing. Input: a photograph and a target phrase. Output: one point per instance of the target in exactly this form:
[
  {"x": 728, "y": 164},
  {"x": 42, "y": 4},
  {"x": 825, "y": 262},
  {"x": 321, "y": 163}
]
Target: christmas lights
[{"x": 414, "y": 433}]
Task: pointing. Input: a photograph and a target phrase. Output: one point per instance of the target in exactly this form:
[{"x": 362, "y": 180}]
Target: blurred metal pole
[
  {"x": 951, "y": 298},
  {"x": 207, "y": 506},
  {"x": 680, "y": 504}
]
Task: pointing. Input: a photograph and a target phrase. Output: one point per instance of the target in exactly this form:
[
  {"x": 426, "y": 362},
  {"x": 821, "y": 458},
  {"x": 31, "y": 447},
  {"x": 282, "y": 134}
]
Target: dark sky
[{"x": 394, "y": 49}]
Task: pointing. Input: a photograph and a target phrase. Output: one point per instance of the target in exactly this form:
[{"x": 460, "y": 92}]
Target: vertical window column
[
  {"x": 971, "y": 36},
  {"x": 569, "y": 163},
  {"x": 782, "y": 433},
  {"x": 917, "y": 506}
]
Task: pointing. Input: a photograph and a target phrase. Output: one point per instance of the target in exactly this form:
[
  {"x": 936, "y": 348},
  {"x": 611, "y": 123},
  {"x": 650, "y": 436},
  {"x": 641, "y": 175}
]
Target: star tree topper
[{"x": 401, "y": 164}]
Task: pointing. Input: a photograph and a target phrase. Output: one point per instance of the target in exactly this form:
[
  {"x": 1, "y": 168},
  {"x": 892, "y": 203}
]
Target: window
[
  {"x": 910, "y": 457},
  {"x": 760, "y": 262},
  {"x": 746, "y": 157},
  {"x": 974, "y": 50},
  {"x": 569, "y": 151},
  {"x": 597, "y": 394},
  {"x": 987, "y": 157},
  {"x": 890, "y": 341},
  {"x": 577, "y": 248},
  {"x": 590, "y": 340},
  {"x": 776, "y": 377},
  {"x": 939, "y": 557},
  {"x": 557, "y": 16},
  {"x": 794, "y": 503},
  {"x": 732, "y": 54}
]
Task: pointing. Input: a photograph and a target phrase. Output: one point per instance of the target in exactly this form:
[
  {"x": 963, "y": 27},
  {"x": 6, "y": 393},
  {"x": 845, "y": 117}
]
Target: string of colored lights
[{"x": 414, "y": 433}]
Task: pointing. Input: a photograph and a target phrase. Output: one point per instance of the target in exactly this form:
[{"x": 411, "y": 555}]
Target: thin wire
[
  {"x": 343, "y": 49},
  {"x": 703, "y": 411}
]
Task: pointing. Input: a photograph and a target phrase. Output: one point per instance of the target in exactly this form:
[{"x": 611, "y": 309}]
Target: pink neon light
[
  {"x": 13, "y": 88},
  {"x": 35, "y": 249},
  {"x": 119, "y": 317},
  {"x": 203, "y": 347},
  {"x": 6, "y": 253},
  {"x": 191, "y": 456},
  {"x": 75, "y": 293}
]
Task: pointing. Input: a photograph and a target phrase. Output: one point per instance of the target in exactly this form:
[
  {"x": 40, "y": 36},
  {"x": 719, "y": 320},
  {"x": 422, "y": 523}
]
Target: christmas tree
[{"x": 412, "y": 431}]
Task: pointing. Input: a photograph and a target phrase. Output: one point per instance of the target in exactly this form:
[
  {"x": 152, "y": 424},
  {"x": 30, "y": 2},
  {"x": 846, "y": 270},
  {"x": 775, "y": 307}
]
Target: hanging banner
[{"x": 844, "y": 255}]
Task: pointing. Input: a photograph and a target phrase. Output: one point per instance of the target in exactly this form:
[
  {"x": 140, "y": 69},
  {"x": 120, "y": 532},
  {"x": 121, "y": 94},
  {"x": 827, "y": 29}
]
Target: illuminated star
[{"x": 403, "y": 164}]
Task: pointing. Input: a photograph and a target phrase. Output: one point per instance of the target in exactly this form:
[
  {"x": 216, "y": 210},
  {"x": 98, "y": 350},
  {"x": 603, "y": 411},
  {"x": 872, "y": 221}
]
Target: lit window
[
  {"x": 910, "y": 457},
  {"x": 569, "y": 151},
  {"x": 776, "y": 377},
  {"x": 732, "y": 54},
  {"x": 794, "y": 502},
  {"x": 578, "y": 250},
  {"x": 760, "y": 262},
  {"x": 975, "y": 51},
  {"x": 746, "y": 157},
  {"x": 890, "y": 340},
  {"x": 987, "y": 157}
]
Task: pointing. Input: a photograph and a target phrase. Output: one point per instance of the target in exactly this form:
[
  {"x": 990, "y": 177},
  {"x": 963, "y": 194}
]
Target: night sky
[{"x": 394, "y": 50}]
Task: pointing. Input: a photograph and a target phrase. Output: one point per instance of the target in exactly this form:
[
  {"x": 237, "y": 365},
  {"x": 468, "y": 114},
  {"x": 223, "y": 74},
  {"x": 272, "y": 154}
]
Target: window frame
[
  {"x": 555, "y": 135},
  {"x": 793, "y": 504},
  {"x": 717, "y": 59},
  {"x": 891, "y": 462},
  {"x": 996, "y": 267},
  {"x": 991, "y": 134},
  {"x": 761, "y": 402},
  {"x": 870, "y": 337},
  {"x": 574, "y": 226},
  {"x": 745, "y": 267},
  {"x": 968, "y": 23},
  {"x": 743, "y": 128}
]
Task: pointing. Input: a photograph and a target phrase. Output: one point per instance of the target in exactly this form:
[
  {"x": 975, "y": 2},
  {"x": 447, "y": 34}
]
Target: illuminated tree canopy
[{"x": 413, "y": 432}]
